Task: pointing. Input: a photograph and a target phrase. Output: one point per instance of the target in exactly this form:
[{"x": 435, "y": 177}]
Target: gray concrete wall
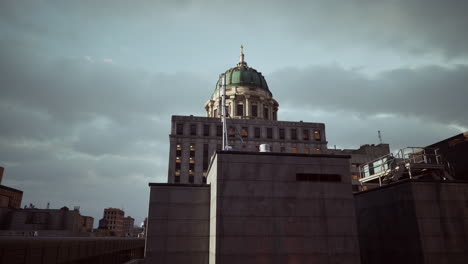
[
  {"x": 178, "y": 224},
  {"x": 414, "y": 222},
  {"x": 260, "y": 213}
]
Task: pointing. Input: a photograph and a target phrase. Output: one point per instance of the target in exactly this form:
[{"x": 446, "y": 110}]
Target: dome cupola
[{"x": 247, "y": 94}]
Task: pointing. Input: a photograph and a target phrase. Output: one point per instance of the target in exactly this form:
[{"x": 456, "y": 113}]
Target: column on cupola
[
  {"x": 260, "y": 107},
  {"x": 247, "y": 105}
]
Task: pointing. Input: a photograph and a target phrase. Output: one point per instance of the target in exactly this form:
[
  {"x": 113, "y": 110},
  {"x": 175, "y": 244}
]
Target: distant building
[
  {"x": 128, "y": 226},
  {"x": 364, "y": 154},
  {"x": 252, "y": 121},
  {"x": 44, "y": 222},
  {"x": 454, "y": 151},
  {"x": 9, "y": 197},
  {"x": 114, "y": 218}
]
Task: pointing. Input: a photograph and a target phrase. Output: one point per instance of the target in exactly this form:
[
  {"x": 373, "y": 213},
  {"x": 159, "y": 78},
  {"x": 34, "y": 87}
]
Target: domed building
[
  {"x": 252, "y": 121},
  {"x": 247, "y": 94}
]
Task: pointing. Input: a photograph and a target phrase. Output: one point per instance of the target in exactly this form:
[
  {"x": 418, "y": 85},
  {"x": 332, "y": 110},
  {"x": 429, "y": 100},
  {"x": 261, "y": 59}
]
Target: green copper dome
[{"x": 243, "y": 75}]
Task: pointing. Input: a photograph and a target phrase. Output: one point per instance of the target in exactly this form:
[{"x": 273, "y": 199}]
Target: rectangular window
[
  {"x": 177, "y": 179},
  {"x": 294, "y": 150},
  {"x": 265, "y": 112},
  {"x": 191, "y": 179},
  {"x": 240, "y": 110},
  {"x": 317, "y": 135},
  {"x": 180, "y": 129},
  {"x": 206, "y": 130},
  {"x": 293, "y": 134},
  {"x": 205, "y": 157},
  {"x": 193, "y": 129},
  {"x": 257, "y": 132},
  {"x": 254, "y": 110},
  {"x": 318, "y": 177},
  {"x": 192, "y": 150},
  {"x": 232, "y": 132},
  {"x": 306, "y": 150},
  {"x": 177, "y": 165},
  {"x": 178, "y": 150},
  {"x": 305, "y": 133},
  {"x": 269, "y": 132},
  {"x": 219, "y": 131},
  {"x": 192, "y": 166},
  {"x": 244, "y": 132},
  {"x": 281, "y": 133},
  {"x": 177, "y": 172},
  {"x": 318, "y": 150}
]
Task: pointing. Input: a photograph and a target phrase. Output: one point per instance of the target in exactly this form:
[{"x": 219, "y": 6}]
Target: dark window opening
[
  {"x": 204, "y": 179},
  {"x": 193, "y": 129},
  {"x": 318, "y": 177},
  {"x": 206, "y": 130},
  {"x": 191, "y": 179},
  {"x": 265, "y": 113},
  {"x": 177, "y": 179},
  {"x": 180, "y": 129},
  {"x": 254, "y": 110},
  {"x": 305, "y": 134},
  {"x": 205, "y": 157},
  {"x": 257, "y": 132},
  {"x": 281, "y": 133},
  {"x": 240, "y": 110},
  {"x": 269, "y": 132},
  {"x": 219, "y": 131},
  {"x": 177, "y": 165},
  {"x": 294, "y": 134}
]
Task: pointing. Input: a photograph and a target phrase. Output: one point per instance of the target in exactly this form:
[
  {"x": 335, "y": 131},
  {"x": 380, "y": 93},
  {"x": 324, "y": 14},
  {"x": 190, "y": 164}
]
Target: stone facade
[
  {"x": 128, "y": 225},
  {"x": 115, "y": 221},
  {"x": 193, "y": 140}
]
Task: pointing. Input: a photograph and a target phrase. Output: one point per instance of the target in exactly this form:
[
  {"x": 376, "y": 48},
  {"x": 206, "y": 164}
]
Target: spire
[{"x": 241, "y": 57}]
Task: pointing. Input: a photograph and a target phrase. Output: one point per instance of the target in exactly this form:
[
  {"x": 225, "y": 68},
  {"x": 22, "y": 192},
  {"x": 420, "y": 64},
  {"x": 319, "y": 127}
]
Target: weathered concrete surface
[
  {"x": 260, "y": 213},
  {"x": 178, "y": 224},
  {"x": 414, "y": 222}
]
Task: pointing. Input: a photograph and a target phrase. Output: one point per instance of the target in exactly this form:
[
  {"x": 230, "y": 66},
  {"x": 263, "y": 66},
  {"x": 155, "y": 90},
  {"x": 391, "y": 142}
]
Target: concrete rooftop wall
[
  {"x": 414, "y": 222},
  {"x": 260, "y": 213},
  {"x": 178, "y": 224}
]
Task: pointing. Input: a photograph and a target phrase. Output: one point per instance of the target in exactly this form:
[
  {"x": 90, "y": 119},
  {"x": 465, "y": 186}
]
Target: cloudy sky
[{"x": 88, "y": 87}]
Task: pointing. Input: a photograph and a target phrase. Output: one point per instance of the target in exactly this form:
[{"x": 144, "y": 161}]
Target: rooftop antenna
[
  {"x": 223, "y": 107},
  {"x": 380, "y": 137}
]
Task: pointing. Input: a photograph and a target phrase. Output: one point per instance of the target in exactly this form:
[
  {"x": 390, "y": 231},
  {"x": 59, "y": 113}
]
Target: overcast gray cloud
[{"x": 88, "y": 87}]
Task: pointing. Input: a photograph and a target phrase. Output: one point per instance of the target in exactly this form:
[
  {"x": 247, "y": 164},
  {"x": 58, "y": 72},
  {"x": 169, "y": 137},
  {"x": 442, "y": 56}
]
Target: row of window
[
  {"x": 305, "y": 135},
  {"x": 191, "y": 171},
  {"x": 253, "y": 111}
]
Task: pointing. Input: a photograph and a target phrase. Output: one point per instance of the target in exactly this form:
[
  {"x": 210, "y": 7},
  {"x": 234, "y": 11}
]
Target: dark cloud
[
  {"x": 433, "y": 93},
  {"x": 80, "y": 129}
]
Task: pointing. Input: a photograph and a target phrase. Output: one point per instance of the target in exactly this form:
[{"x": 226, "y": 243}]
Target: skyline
[{"x": 88, "y": 88}]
